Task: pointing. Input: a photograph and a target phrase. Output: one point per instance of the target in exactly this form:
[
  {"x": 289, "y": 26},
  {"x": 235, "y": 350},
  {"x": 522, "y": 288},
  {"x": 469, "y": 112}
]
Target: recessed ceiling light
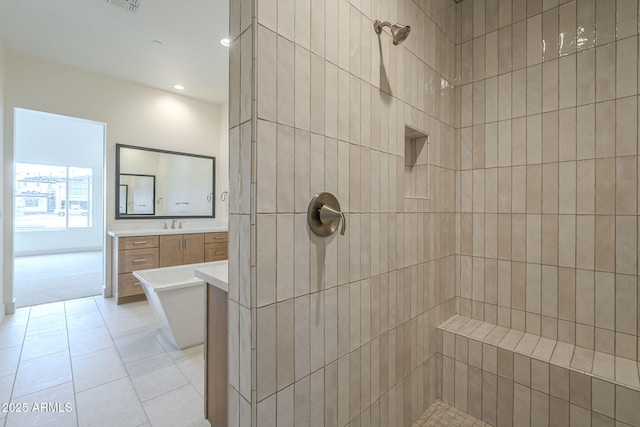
[
  {"x": 178, "y": 86},
  {"x": 225, "y": 42}
]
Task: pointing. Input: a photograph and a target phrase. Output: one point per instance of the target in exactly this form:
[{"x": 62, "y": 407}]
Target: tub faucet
[{"x": 173, "y": 224}]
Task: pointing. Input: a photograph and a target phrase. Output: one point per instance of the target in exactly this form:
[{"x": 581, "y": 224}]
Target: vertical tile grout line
[
  {"x": 73, "y": 385},
  {"x": 615, "y": 174},
  {"x": 124, "y": 366},
  {"x": 13, "y": 386}
]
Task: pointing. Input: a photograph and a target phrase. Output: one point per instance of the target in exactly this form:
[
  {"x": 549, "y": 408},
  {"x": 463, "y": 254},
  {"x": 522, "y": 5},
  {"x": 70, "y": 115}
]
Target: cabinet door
[
  {"x": 171, "y": 250},
  {"x": 216, "y": 356},
  {"x": 193, "y": 248}
]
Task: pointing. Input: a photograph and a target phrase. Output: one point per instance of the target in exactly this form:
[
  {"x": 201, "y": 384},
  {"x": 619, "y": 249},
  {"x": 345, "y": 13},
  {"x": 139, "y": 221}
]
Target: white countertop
[
  {"x": 215, "y": 273},
  {"x": 161, "y": 231}
]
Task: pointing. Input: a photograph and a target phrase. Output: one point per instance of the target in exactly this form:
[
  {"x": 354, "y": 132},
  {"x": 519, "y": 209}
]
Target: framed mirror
[{"x": 163, "y": 184}]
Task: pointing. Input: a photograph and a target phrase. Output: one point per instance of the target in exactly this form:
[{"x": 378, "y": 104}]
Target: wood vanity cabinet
[
  {"x": 179, "y": 249},
  {"x": 136, "y": 253},
  {"x": 145, "y": 252},
  {"x": 216, "y": 246},
  {"x": 216, "y": 344}
]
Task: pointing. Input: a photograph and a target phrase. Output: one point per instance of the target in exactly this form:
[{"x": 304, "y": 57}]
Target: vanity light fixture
[
  {"x": 225, "y": 42},
  {"x": 178, "y": 87}
]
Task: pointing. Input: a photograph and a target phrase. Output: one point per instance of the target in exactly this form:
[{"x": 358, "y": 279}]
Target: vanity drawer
[
  {"x": 216, "y": 251},
  {"x": 137, "y": 259},
  {"x": 139, "y": 242},
  {"x": 216, "y": 237},
  {"x": 129, "y": 285}
]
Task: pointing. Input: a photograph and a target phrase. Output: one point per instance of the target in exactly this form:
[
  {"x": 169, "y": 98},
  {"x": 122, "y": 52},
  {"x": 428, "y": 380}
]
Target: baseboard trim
[
  {"x": 58, "y": 251},
  {"x": 9, "y": 308},
  {"x": 106, "y": 291}
]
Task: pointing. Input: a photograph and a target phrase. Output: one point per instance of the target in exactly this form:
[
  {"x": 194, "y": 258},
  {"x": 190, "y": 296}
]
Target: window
[{"x": 52, "y": 197}]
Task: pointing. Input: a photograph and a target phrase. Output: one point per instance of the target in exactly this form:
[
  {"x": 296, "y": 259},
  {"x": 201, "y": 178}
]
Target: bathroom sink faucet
[{"x": 173, "y": 224}]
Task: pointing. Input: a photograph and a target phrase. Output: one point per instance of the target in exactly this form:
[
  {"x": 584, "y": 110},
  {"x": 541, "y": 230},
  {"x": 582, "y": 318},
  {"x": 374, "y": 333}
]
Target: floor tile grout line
[
  {"x": 73, "y": 383},
  {"x": 173, "y": 356},
  {"x": 165, "y": 394},
  {"x": 124, "y": 365},
  {"x": 15, "y": 378}
]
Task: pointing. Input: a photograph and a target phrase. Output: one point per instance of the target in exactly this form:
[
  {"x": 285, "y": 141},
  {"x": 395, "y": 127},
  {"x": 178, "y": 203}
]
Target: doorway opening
[{"x": 59, "y": 207}]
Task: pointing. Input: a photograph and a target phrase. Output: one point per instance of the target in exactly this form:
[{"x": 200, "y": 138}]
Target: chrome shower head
[{"x": 398, "y": 32}]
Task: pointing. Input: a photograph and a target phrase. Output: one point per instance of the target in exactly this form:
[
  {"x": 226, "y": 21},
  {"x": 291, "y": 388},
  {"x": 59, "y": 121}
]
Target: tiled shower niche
[{"x": 416, "y": 167}]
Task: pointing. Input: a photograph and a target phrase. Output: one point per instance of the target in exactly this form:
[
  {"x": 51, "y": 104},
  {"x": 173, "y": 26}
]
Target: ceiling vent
[{"x": 129, "y": 5}]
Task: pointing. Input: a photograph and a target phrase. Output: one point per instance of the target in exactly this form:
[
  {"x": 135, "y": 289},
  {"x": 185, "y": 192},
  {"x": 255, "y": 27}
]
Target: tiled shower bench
[{"x": 507, "y": 377}]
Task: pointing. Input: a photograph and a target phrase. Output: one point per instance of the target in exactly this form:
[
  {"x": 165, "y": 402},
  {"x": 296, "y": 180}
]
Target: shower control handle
[
  {"x": 328, "y": 215},
  {"x": 324, "y": 215}
]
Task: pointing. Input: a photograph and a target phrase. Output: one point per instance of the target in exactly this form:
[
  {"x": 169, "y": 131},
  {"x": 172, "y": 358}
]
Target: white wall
[
  {"x": 59, "y": 140},
  {"x": 134, "y": 114},
  {"x": 5, "y": 293},
  {"x": 222, "y": 164}
]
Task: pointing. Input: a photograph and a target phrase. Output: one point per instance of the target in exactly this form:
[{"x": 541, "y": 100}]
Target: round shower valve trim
[{"x": 324, "y": 215}]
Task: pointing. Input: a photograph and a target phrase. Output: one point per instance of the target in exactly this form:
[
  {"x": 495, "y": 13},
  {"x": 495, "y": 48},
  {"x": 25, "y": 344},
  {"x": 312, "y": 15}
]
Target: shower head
[{"x": 398, "y": 32}]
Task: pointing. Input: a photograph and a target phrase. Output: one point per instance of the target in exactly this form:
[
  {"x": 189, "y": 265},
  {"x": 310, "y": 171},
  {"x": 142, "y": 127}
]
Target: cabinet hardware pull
[
  {"x": 220, "y": 253},
  {"x": 219, "y": 237},
  {"x": 137, "y": 284},
  {"x": 140, "y": 243},
  {"x": 185, "y": 243},
  {"x": 139, "y": 260}
]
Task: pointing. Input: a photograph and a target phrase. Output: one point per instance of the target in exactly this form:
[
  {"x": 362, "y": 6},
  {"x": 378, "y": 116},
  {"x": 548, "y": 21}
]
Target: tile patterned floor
[
  {"x": 109, "y": 364},
  {"x": 441, "y": 414}
]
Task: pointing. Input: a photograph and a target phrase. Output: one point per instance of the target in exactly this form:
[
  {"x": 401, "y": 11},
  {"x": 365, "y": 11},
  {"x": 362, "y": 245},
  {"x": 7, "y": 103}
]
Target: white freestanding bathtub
[{"x": 177, "y": 297}]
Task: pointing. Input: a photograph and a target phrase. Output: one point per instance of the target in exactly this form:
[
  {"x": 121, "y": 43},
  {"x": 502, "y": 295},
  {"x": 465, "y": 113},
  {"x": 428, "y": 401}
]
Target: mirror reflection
[
  {"x": 139, "y": 194},
  {"x": 123, "y": 200},
  {"x": 161, "y": 184}
]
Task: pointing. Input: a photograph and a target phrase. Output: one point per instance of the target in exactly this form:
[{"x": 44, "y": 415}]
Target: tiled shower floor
[{"x": 442, "y": 414}]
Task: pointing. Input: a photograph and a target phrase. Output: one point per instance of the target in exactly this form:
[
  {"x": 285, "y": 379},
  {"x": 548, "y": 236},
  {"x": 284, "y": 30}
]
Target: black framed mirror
[{"x": 157, "y": 183}]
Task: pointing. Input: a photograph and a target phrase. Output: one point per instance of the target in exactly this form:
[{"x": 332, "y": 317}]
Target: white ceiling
[{"x": 105, "y": 38}]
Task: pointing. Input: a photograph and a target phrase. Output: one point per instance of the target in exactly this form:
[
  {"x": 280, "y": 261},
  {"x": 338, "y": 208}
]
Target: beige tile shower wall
[
  {"x": 344, "y": 326},
  {"x": 549, "y": 169},
  {"x": 241, "y": 399}
]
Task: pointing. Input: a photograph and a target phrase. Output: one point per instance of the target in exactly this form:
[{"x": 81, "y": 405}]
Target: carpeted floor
[{"x": 48, "y": 278}]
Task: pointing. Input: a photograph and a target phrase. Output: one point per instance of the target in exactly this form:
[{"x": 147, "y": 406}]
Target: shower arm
[{"x": 378, "y": 25}]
